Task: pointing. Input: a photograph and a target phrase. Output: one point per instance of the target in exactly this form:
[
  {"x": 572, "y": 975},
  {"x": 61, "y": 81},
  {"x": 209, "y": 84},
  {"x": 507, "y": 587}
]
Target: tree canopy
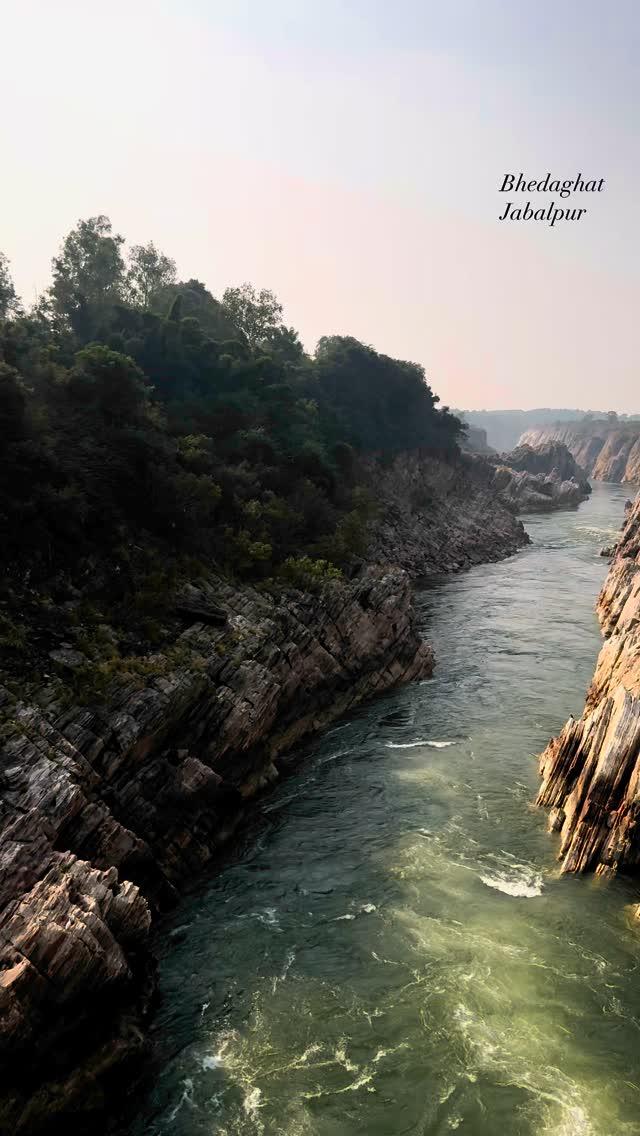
[{"x": 145, "y": 421}]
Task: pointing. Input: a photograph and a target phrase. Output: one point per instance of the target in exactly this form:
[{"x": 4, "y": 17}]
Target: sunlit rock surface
[
  {"x": 591, "y": 771},
  {"x": 538, "y": 479},
  {"x": 607, "y": 451}
]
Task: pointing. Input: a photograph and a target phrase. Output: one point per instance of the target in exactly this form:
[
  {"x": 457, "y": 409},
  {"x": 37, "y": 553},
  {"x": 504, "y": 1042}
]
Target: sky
[{"x": 347, "y": 154}]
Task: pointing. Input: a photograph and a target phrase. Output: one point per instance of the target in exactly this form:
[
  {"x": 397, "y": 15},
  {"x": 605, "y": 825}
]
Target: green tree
[
  {"x": 196, "y": 301},
  {"x": 149, "y": 272},
  {"x": 13, "y": 399},
  {"x": 257, "y": 315},
  {"x": 88, "y": 275},
  {"x": 9, "y": 304},
  {"x": 111, "y": 384}
]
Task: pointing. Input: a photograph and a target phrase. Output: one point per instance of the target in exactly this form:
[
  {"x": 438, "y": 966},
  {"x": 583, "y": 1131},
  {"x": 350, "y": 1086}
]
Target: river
[{"x": 389, "y": 948}]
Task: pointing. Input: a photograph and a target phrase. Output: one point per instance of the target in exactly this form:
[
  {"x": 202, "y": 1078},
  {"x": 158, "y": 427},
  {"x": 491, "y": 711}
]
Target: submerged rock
[{"x": 591, "y": 771}]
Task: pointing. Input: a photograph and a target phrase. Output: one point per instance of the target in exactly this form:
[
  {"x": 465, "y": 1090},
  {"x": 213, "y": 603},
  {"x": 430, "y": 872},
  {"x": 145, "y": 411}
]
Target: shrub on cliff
[{"x": 307, "y": 574}]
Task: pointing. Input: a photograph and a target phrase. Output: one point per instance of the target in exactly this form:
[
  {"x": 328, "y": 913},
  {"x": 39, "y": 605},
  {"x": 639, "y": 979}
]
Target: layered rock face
[
  {"x": 591, "y": 772},
  {"x": 606, "y": 451},
  {"x": 538, "y": 479},
  {"x": 441, "y": 517},
  {"x": 105, "y": 809}
]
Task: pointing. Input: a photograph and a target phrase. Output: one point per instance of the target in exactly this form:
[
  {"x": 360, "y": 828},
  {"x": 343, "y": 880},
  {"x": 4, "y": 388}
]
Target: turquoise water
[{"x": 389, "y": 948}]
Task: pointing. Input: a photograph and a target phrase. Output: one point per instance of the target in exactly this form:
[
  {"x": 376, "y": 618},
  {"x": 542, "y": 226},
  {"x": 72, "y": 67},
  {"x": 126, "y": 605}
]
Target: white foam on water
[
  {"x": 268, "y": 917},
  {"x": 413, "y": 745},
  {"x": 288, "y": 962},
  {"x": 186, "y": 1098},
  {"x": 483, "y": 811},
  {"x": 310, "y": 1051},
  {"x": 519, "y": 1054},
  {"x": 212, "y": 1061},
  {"x": 521, "y": 889},
  {"x": 382, "y": 1053},
  {"x": 219, "y": 1059},
  {"x": 364, "y": 909},
  {"x": 575, "y": 1122},
  {"x": 342, "y": 1059},
  {"x": 285, "y": 970},
  {"x": 593, "y": 530},
  {"x": 251, "y": 1106}
]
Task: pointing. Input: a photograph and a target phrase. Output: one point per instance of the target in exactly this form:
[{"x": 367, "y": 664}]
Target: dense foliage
[{"x": 144, "y": 421}]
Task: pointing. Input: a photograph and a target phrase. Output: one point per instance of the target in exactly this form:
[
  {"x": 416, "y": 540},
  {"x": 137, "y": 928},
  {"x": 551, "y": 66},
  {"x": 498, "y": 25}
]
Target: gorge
[
  {"x": 110, "y": 803},
  {"x": 218, "y": 548},
  {"x": 389, "y": 946}
]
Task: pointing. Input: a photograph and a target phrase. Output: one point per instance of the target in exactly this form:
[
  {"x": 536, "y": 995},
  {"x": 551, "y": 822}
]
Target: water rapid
[{"x": 388, "y": 949}]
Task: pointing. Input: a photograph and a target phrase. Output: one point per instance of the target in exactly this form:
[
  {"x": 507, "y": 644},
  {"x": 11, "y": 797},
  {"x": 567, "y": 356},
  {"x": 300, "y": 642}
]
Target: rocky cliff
[
  {"x": 119, "y": 780},
  {"x": 591, "y": 772},
  {"x": 607, "y": 451},
  {"x": 474, "y": 440},
  {"x": 539, "y": 479},
  {"x": 437, "y": 516},
  {"x": 105, "y": 809}
]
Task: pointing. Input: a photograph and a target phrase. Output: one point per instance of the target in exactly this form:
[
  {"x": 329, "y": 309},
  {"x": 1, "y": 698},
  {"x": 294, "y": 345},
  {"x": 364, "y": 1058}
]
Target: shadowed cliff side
[
  {"x": 107, "y": 808},
  {"x": 438, "y": 516},
  {"x": 591, "y": 771}
]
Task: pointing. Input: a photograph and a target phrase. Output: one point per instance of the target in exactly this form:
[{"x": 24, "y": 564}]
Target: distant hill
[{"x": 504, "y": 428}]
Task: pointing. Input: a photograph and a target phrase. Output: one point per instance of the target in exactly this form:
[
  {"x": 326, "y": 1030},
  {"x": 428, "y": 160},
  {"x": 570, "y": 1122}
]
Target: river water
[{"x": 389, "y": 948}]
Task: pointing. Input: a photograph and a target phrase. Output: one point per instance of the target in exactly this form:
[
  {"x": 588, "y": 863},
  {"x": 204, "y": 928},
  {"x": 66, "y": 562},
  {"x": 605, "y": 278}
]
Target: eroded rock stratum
[{"x": 591, "y": 771}]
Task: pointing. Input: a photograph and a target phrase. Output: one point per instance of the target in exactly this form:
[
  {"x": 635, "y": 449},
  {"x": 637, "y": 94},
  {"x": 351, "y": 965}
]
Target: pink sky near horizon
[{"x": 359, "y": 183}]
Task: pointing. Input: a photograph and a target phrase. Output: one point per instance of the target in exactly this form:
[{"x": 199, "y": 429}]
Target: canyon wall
[
  {"x": 591, "y": 771},
  {"x": 106, "y": 808},
  {"x": 438, "y": 516},
  {"x": 607, "y": 451}
]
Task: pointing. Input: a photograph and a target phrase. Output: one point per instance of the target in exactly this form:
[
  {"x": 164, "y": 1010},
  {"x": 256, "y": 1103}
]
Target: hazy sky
[{"x": 347, "y": 154}]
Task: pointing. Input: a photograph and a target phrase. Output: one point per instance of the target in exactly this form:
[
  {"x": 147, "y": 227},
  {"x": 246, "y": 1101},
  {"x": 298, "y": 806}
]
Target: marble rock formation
[
  {"x": 539, "y": 479},
  {"x": 591, "y": 771},
  {"x": 606, "y": 450}
]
